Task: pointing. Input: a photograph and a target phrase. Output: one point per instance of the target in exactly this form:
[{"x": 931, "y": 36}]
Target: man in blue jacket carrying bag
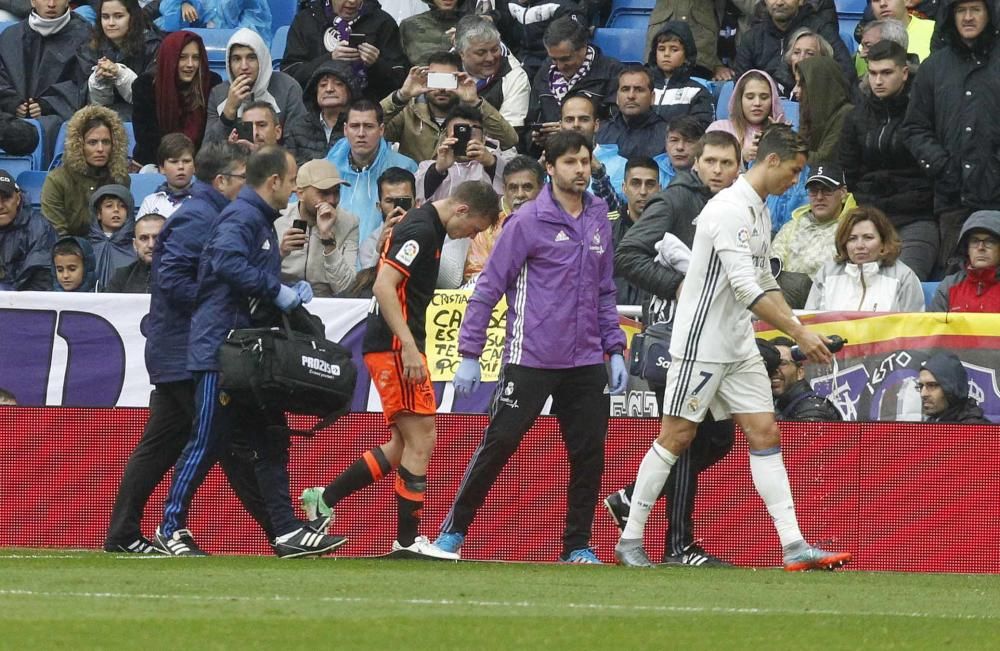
[{"x": 555, "y": 263}]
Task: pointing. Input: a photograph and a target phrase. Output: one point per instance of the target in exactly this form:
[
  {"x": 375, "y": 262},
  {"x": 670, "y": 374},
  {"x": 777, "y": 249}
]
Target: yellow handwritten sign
[{"x": 444, "y": 320}]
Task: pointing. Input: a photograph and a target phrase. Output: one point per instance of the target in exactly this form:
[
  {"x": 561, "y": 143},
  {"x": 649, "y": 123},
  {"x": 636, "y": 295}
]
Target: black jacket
[
  {"x": 680, "y": 95},
  {"x": 305, "y": 50},
  {"x": 966, "y": 412},
  {"x": 139, "y": 62},
  {"x": 951, "y": 124},
  {"x": 628, "y": 294},
  {"x": 145, "y": 123},
  {"x": 522, "y": 29},
  {"x": 45, "y": 69},
  {"x": 801, "y": 403},
  {"x": 304, "y": 135},
  {"x": 600, "y": 84},
  {"x": 644, "y": 136},
  {"x": 763, "y": 47},
  {"x": 880, "y": 169},
  {"x": 26, "y": 251},
  {"x": 672, "y": 210},
  {"x": 133, "y": 279}
]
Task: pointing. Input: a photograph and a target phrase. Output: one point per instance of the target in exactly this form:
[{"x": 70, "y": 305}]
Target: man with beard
[
  {"x": 415, "y": 113},
  {"x": 944, "y": 392},
  {"x": 794, "y": 399}
]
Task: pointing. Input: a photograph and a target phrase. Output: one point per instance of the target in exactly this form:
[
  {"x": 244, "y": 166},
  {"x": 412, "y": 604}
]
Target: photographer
[
  {"x": 319, "y": 241},
  {"x": 462, "y": 155}
]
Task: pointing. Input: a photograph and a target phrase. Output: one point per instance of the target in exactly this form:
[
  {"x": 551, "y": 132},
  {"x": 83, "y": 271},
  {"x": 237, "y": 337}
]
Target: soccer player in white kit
[{"x": 716, "y": 364}]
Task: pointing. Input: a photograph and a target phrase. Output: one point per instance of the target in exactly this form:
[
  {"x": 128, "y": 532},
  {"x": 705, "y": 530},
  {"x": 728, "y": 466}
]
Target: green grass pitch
[{"x": 51, "y": 599}]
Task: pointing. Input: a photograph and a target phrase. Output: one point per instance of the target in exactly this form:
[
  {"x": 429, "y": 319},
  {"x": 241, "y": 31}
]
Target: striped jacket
[{"x": 557, "y": 273}]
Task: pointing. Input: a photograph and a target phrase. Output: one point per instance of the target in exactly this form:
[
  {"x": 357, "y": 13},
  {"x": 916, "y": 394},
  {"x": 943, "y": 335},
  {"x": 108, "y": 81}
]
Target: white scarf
[{"x": 48, "y": 26}]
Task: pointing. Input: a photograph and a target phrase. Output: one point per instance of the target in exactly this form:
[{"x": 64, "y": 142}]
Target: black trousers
[
  {"x": 713, "y": 441},
  {"x": 171, "y": 413},
  {"x": 581, "y": 406}
]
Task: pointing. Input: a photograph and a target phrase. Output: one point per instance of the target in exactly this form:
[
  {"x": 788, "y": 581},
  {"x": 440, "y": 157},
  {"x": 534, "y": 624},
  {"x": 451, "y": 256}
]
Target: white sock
[
  {"x": 771, "y": 481},
  {"x": 653, "y": 473}
]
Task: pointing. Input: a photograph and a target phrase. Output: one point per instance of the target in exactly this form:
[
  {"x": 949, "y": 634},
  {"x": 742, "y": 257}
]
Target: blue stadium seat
[
  {"x": 929, "y": 289},
  {"x": 278, "y": 46},
  {"x": 144, "y": 185},
  {"x": 15, "y": 165},
  {"x": 851, "y": 7},
  {"x": 215, "y": 47},
  {"x": 722, "y": 105},
  {"x": 637, "y": 6},
  {"x": 626, "y": 45},
  {"x": 282, "y": 12},
  {"x": 31, "y": 182},
  {"x": 847, "y": 26},
  {"x": 632, "y": 21},
  {"x": 791, "y": 110}
]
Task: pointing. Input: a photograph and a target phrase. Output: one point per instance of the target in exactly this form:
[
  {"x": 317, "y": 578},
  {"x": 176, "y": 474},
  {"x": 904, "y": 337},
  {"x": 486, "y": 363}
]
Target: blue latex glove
[
  {"x": 467, "y": 377},
  {"x": 287, "y": 299},
  {"x": 304, "y": 290},
  {"x": 619, "y": 376}
]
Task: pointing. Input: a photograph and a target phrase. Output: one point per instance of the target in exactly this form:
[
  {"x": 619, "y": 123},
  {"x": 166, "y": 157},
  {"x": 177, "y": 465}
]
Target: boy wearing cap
[
  {"x": 944, "y": 392},
  {"x": 325, "y": 252}
]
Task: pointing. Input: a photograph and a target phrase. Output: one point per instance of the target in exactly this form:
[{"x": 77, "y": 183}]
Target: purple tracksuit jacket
[{"x": 557, "y": 273}]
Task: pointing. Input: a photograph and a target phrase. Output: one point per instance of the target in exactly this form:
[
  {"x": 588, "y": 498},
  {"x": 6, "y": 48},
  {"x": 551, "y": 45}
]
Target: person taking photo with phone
[
  {"x": 319, "y": 240},
  {"x": 462, "y": 155},
  {"x": 414, "y": 113}
]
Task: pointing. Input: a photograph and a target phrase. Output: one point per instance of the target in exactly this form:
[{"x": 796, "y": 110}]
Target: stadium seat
[
  {"x": 636, "y": 6},
  {"x": 626, "y": 45},
  {"x": 631, "y": 21},
  {"x": 215, "y": 47},
  {"x": 847, "y": 26},
  {"x": 144, "y": 185},
  {"x": 929, "y": 289},
  {"x": 15, "y": 165},
  {"x": 31, "y": 183},
  {"x": 278, "y": 46},
  {"x": 851, "y": 8},
  {"x": 791, "y": 109},
  {"x": 722, "y": 105},
  {"x": 282, "y": 13}
]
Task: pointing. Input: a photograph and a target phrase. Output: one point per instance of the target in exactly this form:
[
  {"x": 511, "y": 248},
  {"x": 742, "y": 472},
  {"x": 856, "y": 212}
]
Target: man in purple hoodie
[{"x": 555, "y": 263}]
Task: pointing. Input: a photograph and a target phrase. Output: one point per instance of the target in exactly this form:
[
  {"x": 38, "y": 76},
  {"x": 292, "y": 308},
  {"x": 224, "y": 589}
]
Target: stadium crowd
[{"x": 383, "y": 118}]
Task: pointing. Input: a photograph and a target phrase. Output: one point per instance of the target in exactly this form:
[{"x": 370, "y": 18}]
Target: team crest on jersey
[
  {"x": 408, "y": 252},
  {"x": 509, "y": 389},
  {"x": 595, "y": 244},
  {"x": 743, "y": 238},
  {"x": 224, "y": 398},
  {"x": 693, "y": 403}
]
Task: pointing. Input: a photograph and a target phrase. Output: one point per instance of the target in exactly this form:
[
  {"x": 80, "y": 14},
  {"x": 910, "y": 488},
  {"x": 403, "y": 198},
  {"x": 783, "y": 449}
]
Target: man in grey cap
[
  {"x": 944, "y": 392},
  {"x": 319, "y": 240}
]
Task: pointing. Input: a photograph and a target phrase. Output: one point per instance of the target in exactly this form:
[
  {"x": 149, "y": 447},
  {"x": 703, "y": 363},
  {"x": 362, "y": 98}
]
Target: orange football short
[{"x": 398, "y": 395}]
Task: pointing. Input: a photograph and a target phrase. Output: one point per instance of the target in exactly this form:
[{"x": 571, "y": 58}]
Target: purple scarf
[{"x": 559, "y": 85}]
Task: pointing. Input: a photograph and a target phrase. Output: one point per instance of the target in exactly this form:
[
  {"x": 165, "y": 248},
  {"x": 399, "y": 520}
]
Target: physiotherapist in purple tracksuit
[{"x": 555, "y": 263}]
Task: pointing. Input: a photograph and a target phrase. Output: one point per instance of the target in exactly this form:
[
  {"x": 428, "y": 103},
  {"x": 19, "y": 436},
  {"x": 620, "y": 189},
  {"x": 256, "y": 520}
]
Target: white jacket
[{"x": 866, "y": 288}]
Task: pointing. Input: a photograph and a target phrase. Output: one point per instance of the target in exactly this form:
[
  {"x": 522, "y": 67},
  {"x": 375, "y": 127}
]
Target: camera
[
  {"x": 462, "y": 134},
  {"x": 354, "y": 40},
  {"x": 244, "y": 131},
  {"x": 300, "y": 224},
  {"x": 402, "y": 202}
]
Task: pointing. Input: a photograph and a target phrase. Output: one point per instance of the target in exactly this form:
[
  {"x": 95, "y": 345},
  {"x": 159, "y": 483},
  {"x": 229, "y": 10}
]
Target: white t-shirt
[{"x": 729, "y": 270}]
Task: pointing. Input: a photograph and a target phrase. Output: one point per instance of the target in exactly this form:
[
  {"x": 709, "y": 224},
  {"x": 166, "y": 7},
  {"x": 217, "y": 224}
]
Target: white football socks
[
  {"x": 771, "y": 481},
  {"x": 653, "y": 473}
]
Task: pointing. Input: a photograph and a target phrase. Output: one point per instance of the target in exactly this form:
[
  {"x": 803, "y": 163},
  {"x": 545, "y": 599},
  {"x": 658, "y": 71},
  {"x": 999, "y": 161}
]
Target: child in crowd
[
  {"x": 216, "y": 14},
  {"x": 111, "y": 231},
  {"x": 73, "y": 265},
  {"x": 672, "y": 58},
  {"x": 175, "y": 160}
]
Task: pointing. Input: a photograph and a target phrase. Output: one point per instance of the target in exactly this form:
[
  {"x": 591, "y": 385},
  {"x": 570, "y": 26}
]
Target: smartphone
[
  {"x": 442, "y": 80},
  {"x": 462, "y": 133},
  {"x": 354, "y": 40},
  {"x": 538, "y": 126},
  {"x": 402, "y": 202},
  {"x": 244, "y": 131},
  {"x": 300, "y": 224}
]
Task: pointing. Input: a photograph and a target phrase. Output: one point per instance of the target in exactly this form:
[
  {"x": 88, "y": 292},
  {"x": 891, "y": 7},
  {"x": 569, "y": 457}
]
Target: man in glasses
[{"x": 944, "y": 392}]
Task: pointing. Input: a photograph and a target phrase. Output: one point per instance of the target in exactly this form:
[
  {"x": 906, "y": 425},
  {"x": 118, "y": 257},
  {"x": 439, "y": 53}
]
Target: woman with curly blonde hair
[{"x": 96, "y": 154}]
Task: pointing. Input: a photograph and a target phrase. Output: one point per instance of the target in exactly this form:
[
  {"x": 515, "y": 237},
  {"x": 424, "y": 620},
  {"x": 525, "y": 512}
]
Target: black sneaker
[
  {"x": 141, "y": 545},
  {"x": 695, "y": 556},
  {"x": 307, "y": 542},
  {"x": 618, "y": 508},
  {"x": 181, "y": 543}
]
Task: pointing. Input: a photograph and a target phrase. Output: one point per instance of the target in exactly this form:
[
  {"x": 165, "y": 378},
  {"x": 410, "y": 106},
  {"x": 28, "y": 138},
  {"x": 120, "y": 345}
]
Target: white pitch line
[{"x": 493, "y": 604}]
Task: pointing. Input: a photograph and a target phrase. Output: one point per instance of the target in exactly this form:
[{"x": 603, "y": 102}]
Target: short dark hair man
[
  {"x": 480, "y": 160},
  {"x": 881, "y": 170},
  {"x": 794, "y": 399},
  {"x": 683, "y": 134},
  {"x": 26, "y": 240},
  {"x": 715, "y": 363},
  {"x": 951, "y": 129},
  {"x": 394, "y": 354},
  {"x": 134, "y": 278},
  {"x": 557, "y": 253},
  {"x": 607, "y": 167},
  {"x": 642, "y": 181},
  {"x": 673, "y": 210},
  {"x": 944, "y": 392},
  {"x": 396, "y": 188},
  {"x": 240, "y": 262},
  {"x": 637, "y": 130}
]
